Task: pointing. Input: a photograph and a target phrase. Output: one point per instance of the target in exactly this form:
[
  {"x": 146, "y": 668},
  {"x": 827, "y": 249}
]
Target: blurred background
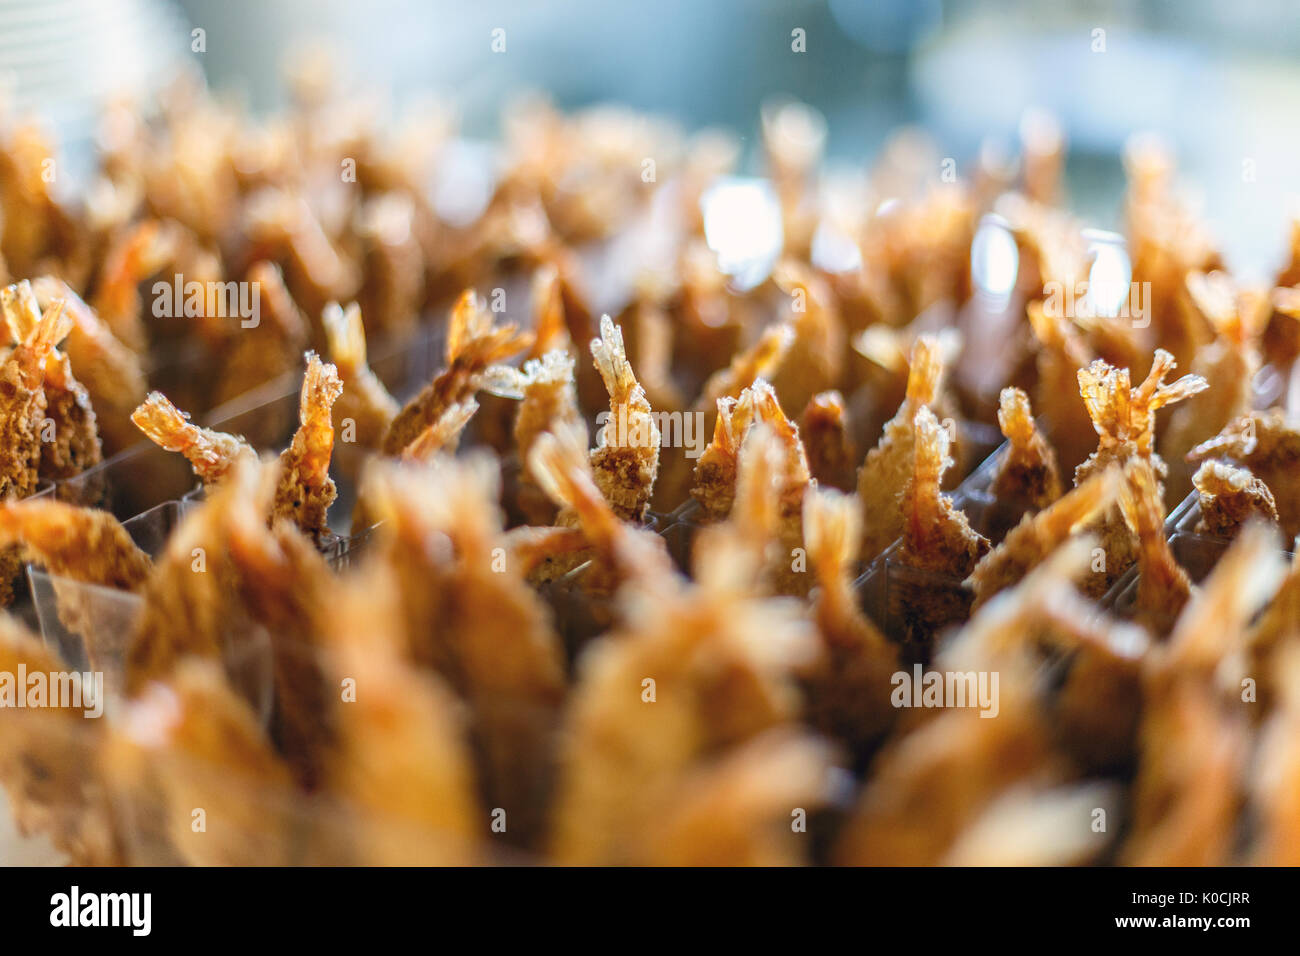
[{"x": 1220, "y": 80}]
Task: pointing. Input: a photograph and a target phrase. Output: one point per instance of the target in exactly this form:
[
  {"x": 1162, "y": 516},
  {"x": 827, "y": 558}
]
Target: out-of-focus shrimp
[
  {"x": 888, "y": 466},
  {"x": 212, "y": 454},
  {"x": 84, "y": 544},
  {"x": 189, "y": 742},
  {"x": 263, "y": 352},
  {"x": 825, "y": 431},
  {"x": 1163, "y": 587},
  {"x": 1039, "y": 534},
  {"x": 365, "y": 401},
  {"x": 1228, "y": 363},
  {"x": 1061, "y": 354},
  {"x": 474, "y": 342},
  {"x": 815, "y": 361},
  {"x": 1270, "y": 447},
  {"x": 1028, "y": 472},
  {"x": 550, "y": 398},
  {"x": 306, "y": 490},
  {"x": 48, "y": 764},
  {"x": 74, "y": 445},
  {"x": 443, "y": 435},
  {"x": 1229, "y": 496},
  {"x": 110, "y": 370},
  {"x": 133, "y": 255},
  {"x": 937, "y": 537},
  {"x": 847, "y": 690},
  {"x": 1275, "y": 785},
  {"x": 625, "y": 461}
]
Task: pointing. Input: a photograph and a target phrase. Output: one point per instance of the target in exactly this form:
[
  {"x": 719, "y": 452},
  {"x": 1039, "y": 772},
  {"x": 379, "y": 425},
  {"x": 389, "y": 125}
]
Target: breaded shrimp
[
  {"x": 273, "y": 347},
  {"x": 306, "y": 490},
  {"x": 888, "y": 466},
  {"x": 74, "y": 445},
  {"x": 815, "y": 361},
  {"x": 1266, "y": 444},
  {"x": 937, "y": 537},
  {"x": 625, "y": 461},
  {"x": 761, "y": 360},
  {"x": 826, "y": 440},
  {"x": 1039, "y": 534},
  {"x": 1028, "y": 472},
  {"x": 83, "y": 544},
  {"x": 190, "y": 742},
  {"x": 22, "y": 402},
  {"x": 847, "y": 690},
  {"x": 474, "y": 342},
  {"x": 1163, "y": 587},
  {"x": 212, "y": 454},
  {"x": 443, "y": 435},
  {"x": 365, "y": 401},
  {"x": 550, "y": 398},
  {"x": 134, "y": 254},
  {"x": 1061, "y": 353},
  {"x": 1229, "y": 496},
  {"x": 111, "y": 372}
]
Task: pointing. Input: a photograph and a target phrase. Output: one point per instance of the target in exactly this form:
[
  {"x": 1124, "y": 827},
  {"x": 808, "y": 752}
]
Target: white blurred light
[
  {"x": 1110, "y": 275},
  {"x": 834, "y": 250},
  {"x": 742, "y": 225},
  {"x": 466, "y": 178},
  {"x": 994, "y": 262}
]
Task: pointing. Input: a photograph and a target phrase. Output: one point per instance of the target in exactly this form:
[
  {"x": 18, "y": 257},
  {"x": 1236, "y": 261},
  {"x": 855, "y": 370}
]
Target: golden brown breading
[
  {"x": 1266, "y": 444},
  {"x": 625, "y": 461},
  {"x": 365, "y": 401},
  {"x": 825, "y": 431},
  {"x": 1163, "y": 587},
  {"x": 1028, "y": 472},
  {"x": 212, "y": 454},
  {"x": 1229, "y": 496},
  {"x": 83, "y": 544},
  {"x": 937, "y": 537},
  {"x": 306, "y": 490}
]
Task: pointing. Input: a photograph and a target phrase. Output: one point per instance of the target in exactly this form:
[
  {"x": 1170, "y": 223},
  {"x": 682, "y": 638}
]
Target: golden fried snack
[
  {"x": 22, "y": 402},
  {"x": 1061, "y": 353},
  {"x": 474, "y": 620},
  {"x": 692, "y": 673},
  {"x": 190, "y": 745},
  {"x": 1039, "y": 534},
  {"x": 1266, "y": 444},
  {"x": 1028, "y": 473},
  {"x": 74, "y": 444},
  {"x": 263, "y": 352},
  {"x": 134, "y": 254},
  {"x": 306, "y": 490},
  {"x": 401, "y": 762},
  {"x": 47, "y": 761},
  {"x": 761, "y": 360},
  {"x": 888, "y": 466},
  {"x": 365, "y": 401},
  {"x": 847, "y": 690},
  {"x": 1124, "y": 418},
  {"x": 443, "y": 435},
  {"x": 625, "y": 461},
  {"x": 474, "y": 342},
  {"x": 212, "y": 454},
  {"x": 1228, "y": 362},
  {"x": 937, "y": 537},
  {"x": 815, "y": 361},
  {"x": 1229, "y": 496},
  {"x": 111, "y": 372},
  {"x": 550, "y": 398},
  {"x": 83, "y": 544},
  {"x": 1163, "y": 587},
  {"x": 827, "y": 442}
]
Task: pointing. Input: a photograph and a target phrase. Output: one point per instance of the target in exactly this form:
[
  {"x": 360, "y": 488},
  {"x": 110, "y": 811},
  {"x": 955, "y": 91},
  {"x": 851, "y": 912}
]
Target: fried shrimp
[
  {"x": 111, "y": 372},
  {"x": 1124, "y": 419},
  {"x": 474, "y": 342},
  {"x": 847, "y": 689},
  {"x": 1061, "y": 353},
  {"x": 815, "y": 361},
  {"x": 74, "y": 445},
  {"x": 625, "y": 461},
  {"x": 306, "y": 490},
  {"x": 263, "y": 352},
  {"x": 1163, "y": 588},
  {"x": 888, "y": 466},
  {"x": 132, "y": 256},
  {"x": 365, "y": 401},
  {"x": 825, "y": 431},
  {"x": 443, "y": 435},
  {"x": 1039, "y": 534},
  {"x": 1266, "y": 444},
  {"x": 1229, "y": 496},
  {"x": 550, "y": 399},
  {"x": 211, "y": 454},
  {"x": 1028, "y": 472},
  {"x": 937, "y": 536},
  {"x": 23, "y": 404},
  {"x": 83, "y": 544}
]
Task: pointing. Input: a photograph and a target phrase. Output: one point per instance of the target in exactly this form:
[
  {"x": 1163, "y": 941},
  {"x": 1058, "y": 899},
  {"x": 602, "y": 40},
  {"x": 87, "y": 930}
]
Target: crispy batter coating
[
  {"x": 550, "y": 398},
  {"x": 212, "y": 454},
  {"x": 84, "y": 544},
  {"x": 1163, "y": 587},
  {"x": 888, "y": 466},
  {"x": 1039, "y": 534},
  {"x": 1266, "y": 444},
  {"x": 74, "y": 445},
  {"x": 306, "y": 490},
  {"x": 474, "y": 342},
  {"x": 937, "y": 537},
  {"x": 443, "y": 435},
  {"x": 1229, "y": 496},
  {"x": 1028, "y": 472},
  {"x": 625, "y": 461},
  {"x": 847, "y": 690},
  {"x": 365, "y": 401}
]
